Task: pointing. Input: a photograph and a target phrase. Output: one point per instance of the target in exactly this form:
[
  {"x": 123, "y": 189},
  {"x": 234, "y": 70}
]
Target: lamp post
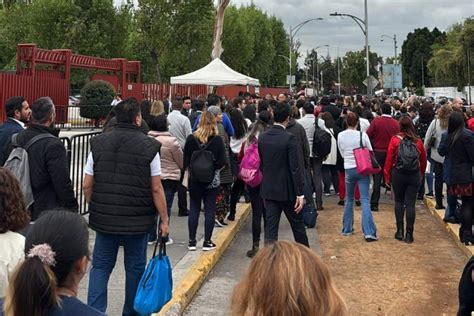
[
  {"x": 394, "y": 38},
  {"x": 364, "y": 26},
  {"x": 293, "y": 31},
  {"x": 317, "y": 63}
]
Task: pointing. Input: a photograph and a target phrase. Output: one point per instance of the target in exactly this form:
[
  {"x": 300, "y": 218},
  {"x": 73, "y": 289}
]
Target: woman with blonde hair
[
  {"x": 286, "y": 278},
  {"x": 157, "y": 108},
  {"x": 200, "y": 146},
  {"x": 432, "y": 140}
]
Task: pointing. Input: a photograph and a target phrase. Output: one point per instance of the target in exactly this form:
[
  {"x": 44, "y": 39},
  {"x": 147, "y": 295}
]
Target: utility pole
[
  {"x": 293, "y": 32},
  {"x": 364, "y": 26},
  {"x": 469, "y": 74},
  {"x": 422, "y": 76},
  {"x": 338, "y": 73}
]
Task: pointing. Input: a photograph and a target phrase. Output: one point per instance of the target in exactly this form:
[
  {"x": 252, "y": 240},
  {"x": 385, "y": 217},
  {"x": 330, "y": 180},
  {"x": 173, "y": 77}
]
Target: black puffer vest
[{"x": 122, "y": 201}]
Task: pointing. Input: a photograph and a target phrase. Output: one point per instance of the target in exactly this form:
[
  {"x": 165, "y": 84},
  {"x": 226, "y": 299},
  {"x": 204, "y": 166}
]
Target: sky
[{"x": 386, "y": 17}]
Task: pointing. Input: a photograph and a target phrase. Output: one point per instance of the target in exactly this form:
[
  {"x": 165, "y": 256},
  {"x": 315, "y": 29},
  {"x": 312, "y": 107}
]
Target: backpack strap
[
  {"x": 14, "y": 143},
  {"x": 36, "y": 139},
  {"x": 361, "y": 144}
]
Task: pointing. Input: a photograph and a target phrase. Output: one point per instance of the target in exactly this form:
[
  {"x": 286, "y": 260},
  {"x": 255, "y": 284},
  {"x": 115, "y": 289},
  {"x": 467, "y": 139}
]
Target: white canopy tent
[{"x": 216, "y": 73}]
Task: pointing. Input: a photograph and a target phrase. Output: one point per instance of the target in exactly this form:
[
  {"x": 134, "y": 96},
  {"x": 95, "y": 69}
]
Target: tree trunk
[{"x": 218, "y": 29}]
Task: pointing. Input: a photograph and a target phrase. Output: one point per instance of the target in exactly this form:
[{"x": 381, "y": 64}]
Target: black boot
[
  {"x": 252, "y": 252},
  {"x": 409, "y": 236},
  {"x": 400, "y": 232}
]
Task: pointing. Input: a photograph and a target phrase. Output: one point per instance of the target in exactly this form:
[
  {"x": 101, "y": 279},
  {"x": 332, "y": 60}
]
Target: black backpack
[
  {"x": 408, "y": 156},
  {"x": 321, "y": 143},
  {"x": 201, "y": 167}
]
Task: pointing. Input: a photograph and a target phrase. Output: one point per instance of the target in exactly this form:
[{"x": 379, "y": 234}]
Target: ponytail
[{"x": 33, "y": 289}]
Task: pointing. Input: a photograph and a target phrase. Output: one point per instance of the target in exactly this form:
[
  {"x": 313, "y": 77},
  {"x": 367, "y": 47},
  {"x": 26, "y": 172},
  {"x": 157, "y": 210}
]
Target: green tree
[
  {"x": 448, "y": 65},
  {"x": 416, "y": 52},
  {"x": 354, "y": 69}
]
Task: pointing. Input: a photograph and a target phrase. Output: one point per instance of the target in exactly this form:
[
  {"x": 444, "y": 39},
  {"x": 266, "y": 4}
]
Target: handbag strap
[
  {"x": 361, "y": 145},
  {"x": 162, "y": 250}
]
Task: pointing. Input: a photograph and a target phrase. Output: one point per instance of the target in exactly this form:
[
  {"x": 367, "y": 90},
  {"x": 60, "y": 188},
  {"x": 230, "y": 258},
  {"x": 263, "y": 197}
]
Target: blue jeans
[
  {"x": 451, "y": 209},
  {"x": 170, "y": 187},
  {"x": 103, "y": 262},
  {"x": 429, "y": 176},
  {"x": 368, "y": 225}
]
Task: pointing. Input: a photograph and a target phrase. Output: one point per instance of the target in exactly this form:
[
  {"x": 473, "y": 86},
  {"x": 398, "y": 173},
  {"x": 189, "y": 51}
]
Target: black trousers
[
  {"x": 273, "y": 214},
  {"x": 378, "y": 178},
  {"x": 182, "y": 196},
  {"x": 405, "y": 188},
  {"x": 438, "y": 185},
  {"x": 258, "y": 211},
  {"x": 467, "y": 213},
  {"x": 330, "y": 175}
]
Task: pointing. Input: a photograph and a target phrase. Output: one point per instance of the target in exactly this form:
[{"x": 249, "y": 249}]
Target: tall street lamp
[
  {"x": 364, "y": 26},
  {"x": 293, "y": 31},
  {"x": 394, "y": 38},
  {"x": 317, "y": 62}
]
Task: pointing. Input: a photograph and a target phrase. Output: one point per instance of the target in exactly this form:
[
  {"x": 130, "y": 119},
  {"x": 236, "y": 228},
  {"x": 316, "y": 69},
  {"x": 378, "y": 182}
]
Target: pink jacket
[{"x": 171, "y": 155}]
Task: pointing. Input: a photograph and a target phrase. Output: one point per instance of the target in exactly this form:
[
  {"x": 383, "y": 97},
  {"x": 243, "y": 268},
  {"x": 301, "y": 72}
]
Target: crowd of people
[{"x": 279, "y": 153}]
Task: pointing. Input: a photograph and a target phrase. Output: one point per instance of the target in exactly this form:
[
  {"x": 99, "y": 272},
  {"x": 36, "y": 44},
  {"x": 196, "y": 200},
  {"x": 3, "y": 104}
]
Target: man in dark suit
[
  {"x": 18, "y": 114},
  {"x": 282, "y": 186}
]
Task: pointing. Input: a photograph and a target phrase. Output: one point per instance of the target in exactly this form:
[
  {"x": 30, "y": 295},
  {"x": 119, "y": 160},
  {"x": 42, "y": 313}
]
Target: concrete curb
[
  {"x": 190, "y": 283},
  {"x": 453, "y": 229}
]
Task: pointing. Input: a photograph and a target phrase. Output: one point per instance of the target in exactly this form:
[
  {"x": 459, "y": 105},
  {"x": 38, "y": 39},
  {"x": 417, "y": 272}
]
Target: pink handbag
[{"x": 365, "y": 160}]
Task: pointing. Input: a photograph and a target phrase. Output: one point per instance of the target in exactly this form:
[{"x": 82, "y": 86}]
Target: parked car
[{"x": 73, "y": 101}]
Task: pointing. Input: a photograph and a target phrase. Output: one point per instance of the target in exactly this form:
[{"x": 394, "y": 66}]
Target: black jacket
[
  {"x": 461, "y": 157},
  {"x": 281, "y": 164},
  {"x": 466, "y": 290},
  {"x": 215, "y": 146},
  {"x": 49, "y": 171},
  {"x": 122, "y": 200},
  {"x": 7, "y": 129},
  {"x": 331, "y": 108},
  {"x": 300, "y": 134}
]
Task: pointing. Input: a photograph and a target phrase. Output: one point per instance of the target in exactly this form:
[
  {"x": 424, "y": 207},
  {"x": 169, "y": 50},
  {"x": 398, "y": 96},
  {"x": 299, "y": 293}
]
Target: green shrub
[{"x": 96, "y": 97}]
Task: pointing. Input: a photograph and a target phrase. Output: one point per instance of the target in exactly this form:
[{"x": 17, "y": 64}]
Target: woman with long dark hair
[
  {"x": 458, "y": 146},
  {"x": 329, "y": 170},
  {"x": 263, "y": 122},
  {"x": 426, "y": 116},
  {"x": 57, "y": 256},
  {"x": 13, "y": 218},
  {"x": 404, "y": 167},
  {"x": 241, "y": 128}
]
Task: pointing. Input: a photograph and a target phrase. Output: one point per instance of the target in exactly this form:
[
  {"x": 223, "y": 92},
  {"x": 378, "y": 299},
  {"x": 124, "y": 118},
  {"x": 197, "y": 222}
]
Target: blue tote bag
[{"x": 156, "y": 285}]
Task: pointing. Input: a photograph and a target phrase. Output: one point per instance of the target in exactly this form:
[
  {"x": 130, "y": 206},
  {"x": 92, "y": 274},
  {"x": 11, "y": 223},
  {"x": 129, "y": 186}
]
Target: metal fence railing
[
  {"x": 78, "y": 148},
  {"x": 79, "y": 117}
]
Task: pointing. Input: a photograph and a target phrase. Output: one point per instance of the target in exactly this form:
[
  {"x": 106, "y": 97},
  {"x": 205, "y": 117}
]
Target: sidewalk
[
  {"x": 181, "y": 259},
  {"x": 453, "y": 229}
]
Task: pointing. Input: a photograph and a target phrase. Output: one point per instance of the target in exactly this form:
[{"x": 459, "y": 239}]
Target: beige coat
[{"x": 171, "y": 155}]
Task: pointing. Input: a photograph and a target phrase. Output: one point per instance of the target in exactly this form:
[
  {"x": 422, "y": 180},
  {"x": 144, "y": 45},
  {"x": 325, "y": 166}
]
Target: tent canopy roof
[{"x": 216, "y": 73}]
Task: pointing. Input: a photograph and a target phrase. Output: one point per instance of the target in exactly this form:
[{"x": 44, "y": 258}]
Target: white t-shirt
[
  {"x": 13, "y": 251},
  {"x": 364, "y": 124},
  {"x": 155, "y": 165},
  {"x": 349, "y": 140}
]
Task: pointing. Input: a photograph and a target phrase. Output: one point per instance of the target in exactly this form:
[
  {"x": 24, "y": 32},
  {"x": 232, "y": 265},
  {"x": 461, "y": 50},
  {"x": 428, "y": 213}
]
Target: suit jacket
[
  {"x": 7, "y": 129},
  {"x": 281, "y": 165}
]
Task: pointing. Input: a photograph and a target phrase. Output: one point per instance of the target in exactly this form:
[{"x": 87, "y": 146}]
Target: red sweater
[
  {"x": 470, "y": 124},
  {"x": 392, "y": 155},
  {"x": 381, "y": 131}
]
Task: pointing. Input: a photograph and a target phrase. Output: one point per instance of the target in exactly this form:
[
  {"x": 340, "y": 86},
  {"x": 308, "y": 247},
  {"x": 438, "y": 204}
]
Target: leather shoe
[
  {"x": 399, "y": 234},
  {"x": 341, "y": 202},
  {"x": 183, "y": 213},
  {"x": 439, "y": 207},
  {"x": 451, "y": 220},
  {"x": 374, "y": 208},
  {"x": 409, "y": 238},
  {"x": 357, "y": 203}
]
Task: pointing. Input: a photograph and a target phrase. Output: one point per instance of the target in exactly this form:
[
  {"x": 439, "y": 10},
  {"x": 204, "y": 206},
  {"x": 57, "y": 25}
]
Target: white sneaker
[{"x": 169, "y": 242}]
